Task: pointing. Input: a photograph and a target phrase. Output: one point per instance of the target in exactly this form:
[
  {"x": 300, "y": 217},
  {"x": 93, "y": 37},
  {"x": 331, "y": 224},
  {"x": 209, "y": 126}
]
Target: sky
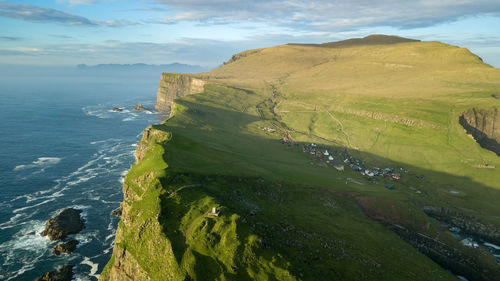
[{"x": 208, "y": 32}]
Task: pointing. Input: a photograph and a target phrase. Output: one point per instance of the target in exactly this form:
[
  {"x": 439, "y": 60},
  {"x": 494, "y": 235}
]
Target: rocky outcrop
[
  {"x": 149, "y": 135},
  {"x": 65, "y": 273},
  {"x": 468, "y": 224},
  {"x": 126, "y": 267},
  {"x": 174, "y": 86},
  {"x": 484, "y": 126},
  {"x": 65, "y": 223},
  {"x": 449, "y": 257},
  {"x": 117, "y": 212},
  {"x": 67, "y": 247}
]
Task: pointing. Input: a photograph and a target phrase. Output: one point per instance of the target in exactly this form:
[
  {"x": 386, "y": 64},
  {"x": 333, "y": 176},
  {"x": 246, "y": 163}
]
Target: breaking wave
[{"x": 41, "y": 162}]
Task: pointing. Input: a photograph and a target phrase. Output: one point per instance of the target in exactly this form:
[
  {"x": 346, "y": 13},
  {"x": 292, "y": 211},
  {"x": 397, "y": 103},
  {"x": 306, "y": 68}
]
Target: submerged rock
[
  {"x": 64, "y": 273},
  {"x": 67, "y": 247},
  {"x": 66, "y": 222}
]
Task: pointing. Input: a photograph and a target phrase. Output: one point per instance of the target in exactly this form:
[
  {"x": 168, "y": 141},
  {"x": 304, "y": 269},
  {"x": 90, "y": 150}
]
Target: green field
[{"x": 286, "y": 215}]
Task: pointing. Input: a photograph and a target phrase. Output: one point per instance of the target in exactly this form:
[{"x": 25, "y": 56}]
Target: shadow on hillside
[{"x": 211, "y": 154}]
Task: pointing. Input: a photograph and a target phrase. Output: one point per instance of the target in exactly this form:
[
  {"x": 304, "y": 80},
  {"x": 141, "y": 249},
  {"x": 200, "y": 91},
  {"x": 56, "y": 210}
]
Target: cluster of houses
[{"x": 341, "y": 158}]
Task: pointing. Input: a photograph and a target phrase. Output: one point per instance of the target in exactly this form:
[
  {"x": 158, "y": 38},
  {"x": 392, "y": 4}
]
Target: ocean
[{"x": 62, "y": 146}]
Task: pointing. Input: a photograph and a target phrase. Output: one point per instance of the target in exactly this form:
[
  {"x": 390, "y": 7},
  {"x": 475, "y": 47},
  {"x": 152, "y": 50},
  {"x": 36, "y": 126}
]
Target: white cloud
[
  {"x": 41, "y": 14},
  {"x": 77, "y": 2},
  {"x": 116, "y": 23}
]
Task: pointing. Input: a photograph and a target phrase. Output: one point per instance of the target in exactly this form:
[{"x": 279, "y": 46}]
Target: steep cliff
[
  {"x": 484, "y": 126},
  {"x": 174, "y": 86},
  {"x": 138, "y": 240}
]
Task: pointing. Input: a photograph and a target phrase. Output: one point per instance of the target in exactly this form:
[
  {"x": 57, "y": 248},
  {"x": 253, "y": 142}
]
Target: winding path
[
  {"x": 186, "y": 186},
  {"x": 341, "y": 128}
]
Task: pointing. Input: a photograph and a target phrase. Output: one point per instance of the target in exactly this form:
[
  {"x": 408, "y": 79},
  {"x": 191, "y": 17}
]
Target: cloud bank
[{"x": 328, "y": 15}]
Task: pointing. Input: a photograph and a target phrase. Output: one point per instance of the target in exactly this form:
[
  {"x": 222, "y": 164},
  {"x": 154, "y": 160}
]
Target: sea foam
[{"x": 42, "y": 162}]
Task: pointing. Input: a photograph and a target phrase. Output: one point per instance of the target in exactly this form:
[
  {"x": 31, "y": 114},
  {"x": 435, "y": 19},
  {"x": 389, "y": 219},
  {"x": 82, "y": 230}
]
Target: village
[{"x": 340, "y": 159}]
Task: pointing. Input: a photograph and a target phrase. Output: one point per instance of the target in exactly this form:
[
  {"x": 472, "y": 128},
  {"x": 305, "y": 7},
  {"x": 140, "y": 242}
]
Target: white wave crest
[
  {"x": 93, "y": 267},
  {"x": 18, "y": 210},
  {"x": 12, "y": 222},
  {"x": 27, "y": 245},
  {"x": 100, "y": 111},
  {"x": 492, "y": 246},
  {"x": 42, "y": 162}
]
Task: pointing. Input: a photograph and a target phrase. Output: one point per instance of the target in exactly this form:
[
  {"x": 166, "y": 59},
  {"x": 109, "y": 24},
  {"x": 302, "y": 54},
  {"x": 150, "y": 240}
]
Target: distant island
[{"x": 173, "y": 67}]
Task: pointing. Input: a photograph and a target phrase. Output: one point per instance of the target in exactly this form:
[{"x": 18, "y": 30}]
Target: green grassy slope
[
  {"x": 288, "y": 216},
  {"x": 399, "y": 101}
]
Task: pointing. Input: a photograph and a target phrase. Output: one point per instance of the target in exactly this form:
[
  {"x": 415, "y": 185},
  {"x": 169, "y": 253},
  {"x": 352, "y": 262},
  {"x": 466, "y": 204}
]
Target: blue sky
[{"x": 208, "y": 32}]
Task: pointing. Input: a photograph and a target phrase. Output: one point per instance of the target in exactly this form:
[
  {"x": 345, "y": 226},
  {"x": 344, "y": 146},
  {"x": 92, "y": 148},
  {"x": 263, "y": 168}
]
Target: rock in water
[
  {"x": 117, "y": 109},
  {"x": 67, "y": 247},
  {"x": 64, "y": 273},
  {"x": 139, "y": 107},
  {"x": 66, "y": 222},
  {"x": 117, "y": 212}
]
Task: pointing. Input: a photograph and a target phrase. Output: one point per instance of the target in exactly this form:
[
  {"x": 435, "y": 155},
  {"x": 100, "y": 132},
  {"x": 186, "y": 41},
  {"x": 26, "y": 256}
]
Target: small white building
[
  {"x": 326, "y": 153},
  {"x": 330, "y": 158},
  {"x": 214, "y": 212}
]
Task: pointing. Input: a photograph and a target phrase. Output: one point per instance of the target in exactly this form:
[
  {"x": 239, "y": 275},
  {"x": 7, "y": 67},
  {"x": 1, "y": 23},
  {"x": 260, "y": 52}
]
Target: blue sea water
[{"x": 61, "y": 146}]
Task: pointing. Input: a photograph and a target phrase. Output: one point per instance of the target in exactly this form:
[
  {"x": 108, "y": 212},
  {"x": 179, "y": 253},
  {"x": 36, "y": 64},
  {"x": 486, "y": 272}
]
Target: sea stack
[{"x": 66, "y": 222}]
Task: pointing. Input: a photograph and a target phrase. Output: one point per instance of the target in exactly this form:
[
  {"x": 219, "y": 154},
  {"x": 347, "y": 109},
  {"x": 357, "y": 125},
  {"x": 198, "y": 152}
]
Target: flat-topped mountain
[
  {"x": 337, "y": 161},
  {"x": 376, "y": 39}
]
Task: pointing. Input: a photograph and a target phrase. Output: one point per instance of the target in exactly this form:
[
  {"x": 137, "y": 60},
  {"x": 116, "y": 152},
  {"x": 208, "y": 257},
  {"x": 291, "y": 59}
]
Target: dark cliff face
[
  {"x": 174, "y": 86},
  {"x": 484, "y": 126}
]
